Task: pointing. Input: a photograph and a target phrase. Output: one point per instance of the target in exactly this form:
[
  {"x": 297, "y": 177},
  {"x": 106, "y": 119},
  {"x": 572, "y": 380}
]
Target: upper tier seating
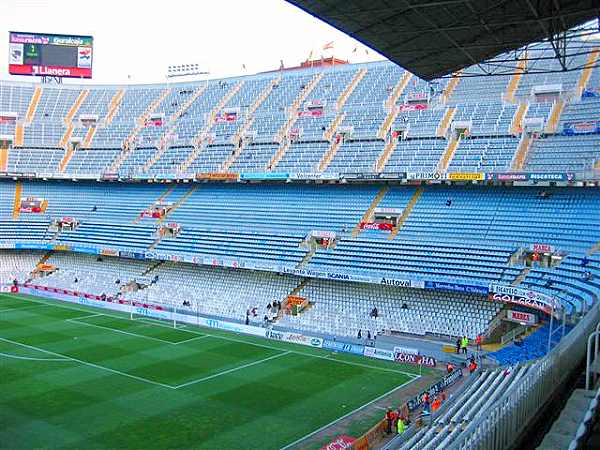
[{"x": 267, "y": 110}]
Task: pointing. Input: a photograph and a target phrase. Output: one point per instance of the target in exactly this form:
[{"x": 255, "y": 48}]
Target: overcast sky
[{"x": 141, "y": 38}]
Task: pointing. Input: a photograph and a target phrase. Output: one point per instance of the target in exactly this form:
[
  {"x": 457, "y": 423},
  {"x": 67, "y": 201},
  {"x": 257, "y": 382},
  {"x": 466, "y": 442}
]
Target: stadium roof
[{"x": 433, "y": 38}]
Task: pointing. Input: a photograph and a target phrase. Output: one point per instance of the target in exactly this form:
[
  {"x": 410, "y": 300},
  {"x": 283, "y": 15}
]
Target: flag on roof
[{"x": 328, "y": 46}]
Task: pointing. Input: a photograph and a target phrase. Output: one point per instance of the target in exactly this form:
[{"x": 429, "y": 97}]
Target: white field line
[
  {"x": 116, "y": 330},
  {"x": 27, "y": 358},
  {"x": 297, "y": 441},
  {"x": 234, "y": 369},
  {"x": 86, "y": 363},
  {"x": 84, "y": 317},
  {"x": 23, "y": 308},
  {"x": 327, "y": 357},
  {"x": 157, "y": 323},
  {"x": 192, "y": 339}
]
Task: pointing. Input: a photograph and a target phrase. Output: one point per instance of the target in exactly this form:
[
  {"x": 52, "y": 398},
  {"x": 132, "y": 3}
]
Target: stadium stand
[
  {"x": 371, "y": 117},
  {"x": 241, "y": 246}
]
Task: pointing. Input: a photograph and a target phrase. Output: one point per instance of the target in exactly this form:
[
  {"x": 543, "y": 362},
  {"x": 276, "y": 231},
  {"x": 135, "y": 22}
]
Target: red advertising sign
[
  {"x": 417, "y": 360},
  {"x": 543, "y": 248},
  {"x": 32, "y": 209},
  {"x": 311, "y": 113},
  {"x": 153, "y": 123},
  {"x": 49, "y": 71},
  {"x": 226, "y": 117},
  {"x": 152, "y": 214},
  {"x": 523, "y": 301},
  {"x": 340, "y": 443},
  {"x": 413, "y": 107},
  {"x": 521, "y": 317},
  {"x": 376, "y": 226}
]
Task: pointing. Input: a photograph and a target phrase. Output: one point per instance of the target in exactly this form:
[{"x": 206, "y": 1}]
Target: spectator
[
  {"x": 464, "y": 344},
  {"x": 360, "y": 334},
  {"x": 401, "y": 425},
  {"x": 472, "y": 366},
  {"x": 458, "y": 345},
  {"x": 374, "y": 312},
  {"x": 435, "y": 405},
  {"x": 389, "y": 417},
  {"x": 269, "y": 307},
  {"x": 404, "y": 306},
  {"x": 247, "y": 319},
  {"x": 426, "y": 402},
  {"x": 94, "y": 208},
  {"x": 369, "y": 335},
  {"x": 449, "y": 202},
  {"x": 584, "y": 261}
]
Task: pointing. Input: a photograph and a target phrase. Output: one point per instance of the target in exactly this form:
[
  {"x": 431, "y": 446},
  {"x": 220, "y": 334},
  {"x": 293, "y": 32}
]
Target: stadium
[{"x": 397, "y": 254}]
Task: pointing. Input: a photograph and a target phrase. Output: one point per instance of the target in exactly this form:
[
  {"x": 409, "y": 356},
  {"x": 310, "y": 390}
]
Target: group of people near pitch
[
  {"x": 462, "y": 344},
  {"x": 398, "y": 421}
]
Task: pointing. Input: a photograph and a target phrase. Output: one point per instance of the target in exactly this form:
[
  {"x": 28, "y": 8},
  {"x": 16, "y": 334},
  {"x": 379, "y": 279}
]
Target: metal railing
[
  {"x": 512, "y": 334},
  {"x": 504, "y": 422}
]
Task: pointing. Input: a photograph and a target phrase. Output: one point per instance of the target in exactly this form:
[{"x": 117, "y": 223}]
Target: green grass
[{"x": 73, "y": 377}]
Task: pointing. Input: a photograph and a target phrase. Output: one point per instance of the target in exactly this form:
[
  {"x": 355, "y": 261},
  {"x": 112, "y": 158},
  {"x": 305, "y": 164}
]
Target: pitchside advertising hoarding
[{"x": 51, "y": 55}]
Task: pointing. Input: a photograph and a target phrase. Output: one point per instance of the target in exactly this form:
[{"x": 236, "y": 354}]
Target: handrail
[{"x": 508, "y": 417}]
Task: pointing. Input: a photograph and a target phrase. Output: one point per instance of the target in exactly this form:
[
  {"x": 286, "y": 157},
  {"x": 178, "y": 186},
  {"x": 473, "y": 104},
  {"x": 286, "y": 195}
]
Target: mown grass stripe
[
  {"x": 87, "y": 363},
  {"x": 329, "y": 357}
]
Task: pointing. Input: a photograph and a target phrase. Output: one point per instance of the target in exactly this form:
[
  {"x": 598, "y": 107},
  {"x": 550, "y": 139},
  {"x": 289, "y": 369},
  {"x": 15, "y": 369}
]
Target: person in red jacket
[
  {"x": 472, "y": 366},
  {"x": 478, "y": 341},
  {"x": 389, "y": 417},
  {"x": 426, "y": 402}
]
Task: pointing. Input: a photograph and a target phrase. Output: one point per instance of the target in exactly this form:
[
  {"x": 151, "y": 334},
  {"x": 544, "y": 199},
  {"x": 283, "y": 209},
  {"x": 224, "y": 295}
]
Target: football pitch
[{"x": 73, "y": 377}]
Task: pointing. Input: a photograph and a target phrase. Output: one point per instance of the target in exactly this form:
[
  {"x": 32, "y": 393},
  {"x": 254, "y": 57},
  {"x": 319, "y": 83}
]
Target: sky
[{"x": 135, "y": 41}]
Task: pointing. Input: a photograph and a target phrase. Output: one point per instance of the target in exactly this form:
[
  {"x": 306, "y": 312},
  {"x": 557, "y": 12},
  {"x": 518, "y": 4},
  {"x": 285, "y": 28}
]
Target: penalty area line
[
  {"x": 233, "y": 369},
  {"x": 116, "y": 330},
  {"x": 86, "y": 363},
  {"x": 28, "y": 358}
]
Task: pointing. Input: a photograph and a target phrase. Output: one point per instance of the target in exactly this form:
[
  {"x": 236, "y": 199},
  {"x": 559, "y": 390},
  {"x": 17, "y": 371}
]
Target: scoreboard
[{"x": 50, "y": 55}]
